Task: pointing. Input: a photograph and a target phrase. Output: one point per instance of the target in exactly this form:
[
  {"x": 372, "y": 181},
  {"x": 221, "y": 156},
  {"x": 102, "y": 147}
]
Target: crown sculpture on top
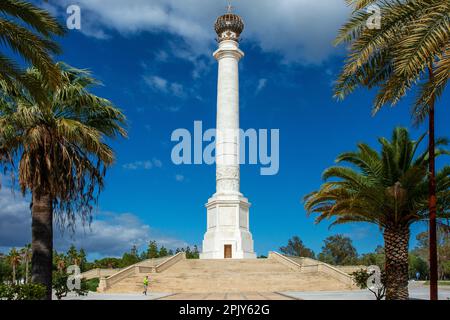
[{"x": 229, "y": 26}]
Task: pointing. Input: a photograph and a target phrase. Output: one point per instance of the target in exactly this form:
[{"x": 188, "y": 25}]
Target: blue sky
[{"x": 154, "y": 59}]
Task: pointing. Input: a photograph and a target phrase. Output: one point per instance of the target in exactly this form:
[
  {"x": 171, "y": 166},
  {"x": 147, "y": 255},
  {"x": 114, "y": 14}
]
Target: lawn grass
[{"x": 441, "y": 283}]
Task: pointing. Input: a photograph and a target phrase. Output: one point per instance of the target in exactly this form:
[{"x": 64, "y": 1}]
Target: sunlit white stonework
[{"x": 228, "y": 233}]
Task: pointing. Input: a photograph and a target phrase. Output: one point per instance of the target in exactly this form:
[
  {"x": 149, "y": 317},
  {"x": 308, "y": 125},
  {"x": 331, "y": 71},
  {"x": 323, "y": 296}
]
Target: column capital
[{"x": 228, "y": 49}]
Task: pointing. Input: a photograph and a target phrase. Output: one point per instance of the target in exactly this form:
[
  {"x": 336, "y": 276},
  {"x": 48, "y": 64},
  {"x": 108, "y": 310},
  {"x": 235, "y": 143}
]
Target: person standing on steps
[{"x": 145, "y": 285}]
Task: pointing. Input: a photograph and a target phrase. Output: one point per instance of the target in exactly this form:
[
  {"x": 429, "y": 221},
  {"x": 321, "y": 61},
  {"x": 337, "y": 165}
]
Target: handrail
[
  {"x": 122, "y": 274},
  {"x": 168, "y": 263},
  {"x": 285, "y": 260},
  {"x": 87, "y": 274},
  {"x": 319, "y": 267},
  {"x": 98, "y": 273},
  {"x": 107, "y": 282}
]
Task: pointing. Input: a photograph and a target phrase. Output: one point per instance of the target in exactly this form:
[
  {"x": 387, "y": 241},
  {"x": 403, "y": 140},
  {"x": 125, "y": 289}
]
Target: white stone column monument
[{"x": 228, "y": 233}]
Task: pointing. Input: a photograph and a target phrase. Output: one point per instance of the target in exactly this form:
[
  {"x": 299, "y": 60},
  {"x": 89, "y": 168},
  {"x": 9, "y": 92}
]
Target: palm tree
[
  {"x": 60, "y": 261},
  {"x": 26, "y": 255},
  {"x": 14, "y": 261},
  {"x": 34, "y": 44},
  {"x": 411, "y": 48},
  {"x": 386, "y": 188},
  {"x": 61, "y": 153}
]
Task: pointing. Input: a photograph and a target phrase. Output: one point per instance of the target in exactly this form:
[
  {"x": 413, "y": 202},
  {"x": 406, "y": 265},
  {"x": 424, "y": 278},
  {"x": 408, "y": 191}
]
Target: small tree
[
  {"x": 361, "y": 279},
  {"x": 130, "y": 258},
  {"x": 195, "y": 254},
  {"x": 163, "y": 252},
  {"x": 296, "y": 248},
  {"x": 188, "y": 252},
  {"x": 338, "y": 250},
  {"x": 60, "y": 287},
  {"x": 152, "y": 251}
]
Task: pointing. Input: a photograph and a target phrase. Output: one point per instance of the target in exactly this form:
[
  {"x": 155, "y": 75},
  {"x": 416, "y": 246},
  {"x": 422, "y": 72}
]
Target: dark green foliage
[
  {"x": 152, "y": 250},
  {"x": 362, "y": 276},
  {"x": 91, "y": 284},
  {"x": 107, "y": 263},
  {"x": 373, "y": 258},
  {"x": 417, "y": 265},
  {"x": 59, "y": 285},
  {"x": 192, "y": 254},
  {"x": 28, "y": 291},
  {"x": 27, "y": 31},
  {"x": 75, "y": 257},
  {"x": 387, "y": 187},
  {"x": 443, "y": 248},
  {"x": 163, "y": 252},
  {"x": 395, "y": 59},
  {"x": 296, "y": 248},
  {"x": 130, "y": 258},
  {"x": 5, "y": 270},
  {"x": 338, "y": 250}
]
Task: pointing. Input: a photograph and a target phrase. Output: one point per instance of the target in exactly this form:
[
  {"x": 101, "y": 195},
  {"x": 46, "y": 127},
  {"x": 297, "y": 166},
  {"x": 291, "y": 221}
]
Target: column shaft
[{"x": 227, "y": 140}]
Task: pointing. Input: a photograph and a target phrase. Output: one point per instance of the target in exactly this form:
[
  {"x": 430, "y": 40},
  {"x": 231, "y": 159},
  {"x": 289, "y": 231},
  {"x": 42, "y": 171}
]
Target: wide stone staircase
[{"x": 176, "y": 274}]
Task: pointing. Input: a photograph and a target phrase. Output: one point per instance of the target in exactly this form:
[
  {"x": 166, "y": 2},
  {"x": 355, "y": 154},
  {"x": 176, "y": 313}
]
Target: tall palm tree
[
  {"x": 28, "y": 30},
  {"x": 61, "y": 153},
  {"x": 26, "y": 258},
  {"x": 386, "y": 188},
  {"x": 411, "y": 48},
  {"x": 14, "y": 260}
]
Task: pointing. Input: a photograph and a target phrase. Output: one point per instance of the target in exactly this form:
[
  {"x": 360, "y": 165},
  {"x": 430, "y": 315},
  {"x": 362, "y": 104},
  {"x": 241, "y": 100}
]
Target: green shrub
[
  {"x": 91, "y": 285},
  {"x": 361, "y": 278},
  {"x": 59, "y": 284},
  {"x": 29, "y": 291}
]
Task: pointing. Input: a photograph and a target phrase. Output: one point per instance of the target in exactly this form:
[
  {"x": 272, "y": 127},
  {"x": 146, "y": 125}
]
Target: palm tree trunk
[
  {"x": 432, "y": 201},
  {"x": 396, "y": 245},
  {"x": 42, "y": 241},
  {"x": 14, "y": 274},
  {"x": 26, "y": 270}
]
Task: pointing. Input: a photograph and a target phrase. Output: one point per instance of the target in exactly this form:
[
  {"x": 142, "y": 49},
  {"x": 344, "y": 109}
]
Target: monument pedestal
[{"x": 228, "y": 234}]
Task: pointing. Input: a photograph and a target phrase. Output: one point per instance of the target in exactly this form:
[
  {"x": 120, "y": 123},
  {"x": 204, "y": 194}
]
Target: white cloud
[
  {"x": 261, "y": 85},
  {"x": 299, "y": 30},
  {"x": 15, "y": 219},
  {"x": 110, "y": 234},
  {"x": 162, "y": 56},
  {"x": 158, "y": 83},
  {"x": 145, "y": 164},
  {"x": 113, "y": 234}
]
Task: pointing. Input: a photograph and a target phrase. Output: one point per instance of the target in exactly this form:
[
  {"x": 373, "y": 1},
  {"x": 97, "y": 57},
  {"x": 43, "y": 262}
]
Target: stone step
[
  {"x": 257, "y": 275},
  {"x": 244, "y": 283},
  {"x": 213, "y": 266}
]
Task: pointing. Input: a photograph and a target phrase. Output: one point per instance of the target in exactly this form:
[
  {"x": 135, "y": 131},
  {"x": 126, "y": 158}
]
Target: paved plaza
[
  {"x": 421, "y": 293},
  {"x": 416, "y": 291}
]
